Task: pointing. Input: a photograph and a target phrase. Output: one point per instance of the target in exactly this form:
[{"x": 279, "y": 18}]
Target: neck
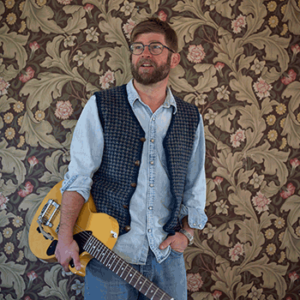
[{"x": 152, "y": 95}]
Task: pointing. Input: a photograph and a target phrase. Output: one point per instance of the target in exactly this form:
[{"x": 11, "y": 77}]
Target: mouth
[{"x": 146, "y": 64}]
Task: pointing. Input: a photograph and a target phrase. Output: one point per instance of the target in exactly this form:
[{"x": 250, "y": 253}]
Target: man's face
[{"x": 147, "y": 68}]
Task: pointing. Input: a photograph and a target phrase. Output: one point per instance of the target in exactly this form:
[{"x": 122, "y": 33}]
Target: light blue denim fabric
[
  {"x": 170, "y": 276},
  {"x": 151, "y": 203}
]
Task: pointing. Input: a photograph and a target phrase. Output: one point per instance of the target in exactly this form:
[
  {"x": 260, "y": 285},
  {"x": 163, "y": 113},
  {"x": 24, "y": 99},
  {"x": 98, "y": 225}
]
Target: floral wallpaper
[{"x": 240, "y": 66}]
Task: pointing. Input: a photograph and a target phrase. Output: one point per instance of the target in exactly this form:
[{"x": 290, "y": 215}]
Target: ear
[{"x": 175, "y": 60}]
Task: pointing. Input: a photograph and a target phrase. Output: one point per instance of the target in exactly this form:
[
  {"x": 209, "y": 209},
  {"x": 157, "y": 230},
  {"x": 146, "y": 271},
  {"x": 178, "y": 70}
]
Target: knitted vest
[{"x": 115, "y": 181}]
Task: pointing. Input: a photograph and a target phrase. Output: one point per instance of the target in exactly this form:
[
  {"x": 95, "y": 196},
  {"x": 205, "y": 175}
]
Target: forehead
[{"x": 147, "y": 38}]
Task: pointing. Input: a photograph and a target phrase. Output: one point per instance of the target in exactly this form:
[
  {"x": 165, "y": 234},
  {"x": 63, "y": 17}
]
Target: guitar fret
[
  {"x": 137, "y": 280},
  {"x": 124, "y": 270},
  {"x": 88, "y": 246},
  {"x": 148, "y": 289},
  {"x": 142, "y": 285},
  {"x": 120, "y": 268},
  {"x": 132, "y": 276},
  {"x": 116, "y": 264},
  {"x": 106, "y": 257},
  {"x": 103, "y": 255},
  {"x": 112, "y": 261},
  {"x": 93, "y": 246},
  {"x": 157, "y": 289}
]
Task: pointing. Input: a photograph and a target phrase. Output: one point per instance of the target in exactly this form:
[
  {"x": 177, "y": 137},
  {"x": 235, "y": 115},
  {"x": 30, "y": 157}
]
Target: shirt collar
[{"x": 134, "y": 96}]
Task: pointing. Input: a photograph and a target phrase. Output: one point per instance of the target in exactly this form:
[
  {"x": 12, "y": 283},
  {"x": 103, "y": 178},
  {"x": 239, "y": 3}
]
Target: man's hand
[
  {"x": 65, "y": 251},
  {"x": 178, "y": 242},
  {"x": 67, "y": 248}
]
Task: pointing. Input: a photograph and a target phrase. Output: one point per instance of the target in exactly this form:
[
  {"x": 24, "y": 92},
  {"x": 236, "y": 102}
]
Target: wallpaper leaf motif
[
  {"x": 51, "y": 164},
  {"x": 186, "y": 27},
  {"x": 255, "y": 12},
  {"x": 54, "y": 287},
  {"x": 38, "y": 132},
  {"x": 119, "y": 63},
  {"x": 291, "y": 241},
  {"x": 12, "y": 45},
  {"x": 39, "y": 18},
  {"x": 275, "y": 50},
  {"x": 292, "y": 16},
  {"x": 292, "y": 125},
  {"x": 224, "y": 8},
  {"x": 12, "y": 161},
  {"x": 11, "y": 275},
  {"x": 272, "y": 274},
  {"x": 77, "y": 22}
]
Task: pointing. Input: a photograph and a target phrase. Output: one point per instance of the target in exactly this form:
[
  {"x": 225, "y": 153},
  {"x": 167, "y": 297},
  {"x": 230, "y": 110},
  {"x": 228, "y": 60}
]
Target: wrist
[{"x": 188, "y": 235}]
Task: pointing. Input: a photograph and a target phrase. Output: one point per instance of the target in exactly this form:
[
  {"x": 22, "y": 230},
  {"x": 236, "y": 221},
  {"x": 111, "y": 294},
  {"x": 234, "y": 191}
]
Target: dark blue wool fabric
[{"x": 115, "y": 181}]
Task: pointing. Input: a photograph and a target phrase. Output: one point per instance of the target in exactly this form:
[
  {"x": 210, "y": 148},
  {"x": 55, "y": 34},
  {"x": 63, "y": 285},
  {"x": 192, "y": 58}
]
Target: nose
[{"x": 146, "y": 51}]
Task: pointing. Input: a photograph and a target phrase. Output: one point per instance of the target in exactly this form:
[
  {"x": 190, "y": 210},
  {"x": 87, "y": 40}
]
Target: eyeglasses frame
[{"x": 149, "y": 48}]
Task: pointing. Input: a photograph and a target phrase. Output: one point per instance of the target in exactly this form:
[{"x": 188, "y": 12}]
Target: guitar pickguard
[{"x": 80, "y": 238}]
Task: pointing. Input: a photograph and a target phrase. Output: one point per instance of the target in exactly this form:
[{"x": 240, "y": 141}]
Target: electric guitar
[{"x": 95, "y": 233}]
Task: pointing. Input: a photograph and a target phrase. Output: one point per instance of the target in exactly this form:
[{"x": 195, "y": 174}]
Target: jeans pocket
[{"x": 176, "y": 253}]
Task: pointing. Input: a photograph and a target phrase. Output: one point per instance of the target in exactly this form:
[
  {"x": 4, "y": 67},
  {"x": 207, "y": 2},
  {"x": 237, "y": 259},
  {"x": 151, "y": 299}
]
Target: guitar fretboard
[{"x": 120, "y": 267}]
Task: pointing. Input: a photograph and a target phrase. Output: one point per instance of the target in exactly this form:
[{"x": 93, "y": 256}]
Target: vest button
[
  {"x": 142, "y": 139},
  {"x": 125, "y": 206},
  {"x": 127, "y": 228},
  {"x": 133, "y": 184},
  {"x": 137, "y": 163}
]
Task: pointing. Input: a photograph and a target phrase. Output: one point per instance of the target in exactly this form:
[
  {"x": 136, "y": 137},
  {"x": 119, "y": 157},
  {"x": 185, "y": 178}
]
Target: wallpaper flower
[{"x": 240, "y": 65}]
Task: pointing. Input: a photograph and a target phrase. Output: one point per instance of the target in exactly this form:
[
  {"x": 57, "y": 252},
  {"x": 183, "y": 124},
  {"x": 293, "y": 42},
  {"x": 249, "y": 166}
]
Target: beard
[{"x": 147, "y": 78}]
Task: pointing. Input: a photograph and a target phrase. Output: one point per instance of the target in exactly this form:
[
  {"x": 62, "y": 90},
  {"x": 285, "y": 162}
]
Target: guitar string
[{"x": 147, "y": 283}]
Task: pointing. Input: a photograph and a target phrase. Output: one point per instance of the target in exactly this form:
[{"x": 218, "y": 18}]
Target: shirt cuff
[
  {"x": 196, "y": 217},
  {"x": 79, "y": 184}
]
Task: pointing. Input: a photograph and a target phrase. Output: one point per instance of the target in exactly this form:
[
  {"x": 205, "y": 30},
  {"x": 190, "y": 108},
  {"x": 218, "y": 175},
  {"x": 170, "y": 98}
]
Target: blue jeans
[{"x": 170, "y": 276}]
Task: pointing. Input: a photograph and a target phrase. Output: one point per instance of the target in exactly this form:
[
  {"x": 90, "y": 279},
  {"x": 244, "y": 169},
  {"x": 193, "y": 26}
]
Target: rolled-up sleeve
[
  {"x": 86, "y": 151},
  {"x": 194, "y": 197}
]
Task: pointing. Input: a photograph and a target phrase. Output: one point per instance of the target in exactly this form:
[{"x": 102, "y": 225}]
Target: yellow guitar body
[{"x": 43, "y": 232}]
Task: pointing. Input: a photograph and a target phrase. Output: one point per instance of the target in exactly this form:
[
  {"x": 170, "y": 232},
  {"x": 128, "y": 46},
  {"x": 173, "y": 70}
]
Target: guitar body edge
[{"x": 104, "y": 227}]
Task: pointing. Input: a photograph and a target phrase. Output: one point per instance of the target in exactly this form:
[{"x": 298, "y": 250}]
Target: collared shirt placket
[{"x": 151, "y": 198}]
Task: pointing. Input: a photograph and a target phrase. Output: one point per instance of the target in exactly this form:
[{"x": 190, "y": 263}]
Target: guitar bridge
[{"x": 46, "y": 216}]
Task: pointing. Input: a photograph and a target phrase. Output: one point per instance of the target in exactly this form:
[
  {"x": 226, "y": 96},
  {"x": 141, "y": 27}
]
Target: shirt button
[
  {"x": 137, "y": 163},
  {"x": 149, "y": 230},
  {"x": 151, "y": 185},
  {"x": 142, "y": 139},
  {"x": 152, "y": 140},
  {"x": 127, "y": 228},
  {"x": 195, "y": 224},
  {"x": 153, "y": 119},
  {"x": 152, "y": 162},
  {"x": 133, "y": 184},
  {"x": 150, "y": 207}
]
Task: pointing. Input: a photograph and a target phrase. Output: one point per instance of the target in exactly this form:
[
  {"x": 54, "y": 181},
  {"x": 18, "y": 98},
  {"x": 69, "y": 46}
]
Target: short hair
[{"x": 157, "y": 26}]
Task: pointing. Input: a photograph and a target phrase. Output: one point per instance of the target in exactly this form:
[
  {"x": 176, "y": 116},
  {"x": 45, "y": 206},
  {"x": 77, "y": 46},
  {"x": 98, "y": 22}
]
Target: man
[{"x": 140, "y": 152}]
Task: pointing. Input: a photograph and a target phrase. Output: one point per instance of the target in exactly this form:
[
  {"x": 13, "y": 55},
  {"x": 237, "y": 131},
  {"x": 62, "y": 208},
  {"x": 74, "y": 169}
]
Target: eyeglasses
[{"x": 155, "y": 48}]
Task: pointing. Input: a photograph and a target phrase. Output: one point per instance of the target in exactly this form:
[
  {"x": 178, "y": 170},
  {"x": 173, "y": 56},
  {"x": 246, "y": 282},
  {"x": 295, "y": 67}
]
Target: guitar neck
[{"x": 120, "y": 267}]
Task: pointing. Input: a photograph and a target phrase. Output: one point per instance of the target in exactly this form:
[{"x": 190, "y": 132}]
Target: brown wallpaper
[{"x": 240, "y": 65}]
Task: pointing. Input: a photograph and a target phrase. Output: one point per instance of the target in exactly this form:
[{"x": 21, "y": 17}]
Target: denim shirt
[{"x": 149, "y": 207}]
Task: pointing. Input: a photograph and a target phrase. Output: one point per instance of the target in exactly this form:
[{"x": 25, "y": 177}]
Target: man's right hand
[{"x": 65, "y": 251}]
